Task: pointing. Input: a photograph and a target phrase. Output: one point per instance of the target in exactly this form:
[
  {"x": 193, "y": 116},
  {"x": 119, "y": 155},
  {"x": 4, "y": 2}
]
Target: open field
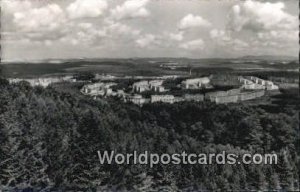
[{"x": 148, "y": 67}]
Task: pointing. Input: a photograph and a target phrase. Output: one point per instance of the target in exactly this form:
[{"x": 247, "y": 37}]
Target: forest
[{"x": 49, "y": 139}]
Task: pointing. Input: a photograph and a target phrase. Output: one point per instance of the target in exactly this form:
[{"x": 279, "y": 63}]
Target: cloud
[
  {"x": 253, "y": 26},
  {"x": 130, "y": 9},
  {"x": 145, "y": 41},
  {"x": 284, "y": 35},
  {"x": 223, "y": 38},
  {"x": 190, "y": 21},
  {"x": 86, "y": 8},
  {"x": 176, "y": 36},
  {"x": 197, "y": 44},
  {"x": 85, "y": 34},
  {"x": 89, "y": 34},
  {"x": 256, "y": 16},
  {"x": 11, "y": 6},
  {"x": 238, "y": 44},
  {"x": 220, "y": 35},
  {"x": 121, "y": 29},
  {"x": 47, "y": 18}
]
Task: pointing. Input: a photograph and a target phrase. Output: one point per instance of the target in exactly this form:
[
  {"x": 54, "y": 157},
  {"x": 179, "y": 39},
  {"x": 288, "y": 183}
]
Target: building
[
  {"x": 212, "y": 95},
  {"x": 158, "y": 89},
  {"x": 224, "y": 80},
  {"x": 218, "y": 97},
  {"x": 193, "y": 97},
  {"x": 154, "y": 85},
  {"x": 140, "y": 86},
  {"x": 251, "y": 95},
  {"x": 136, "y": 99},
  {"x": 163, "y": 98},
  {"x": 196, "y": 83},
  {"x": 226, "y": 99},
  {"x": 178, "y": 99},
  {"x": 233, "y": 91},
  {"x": 253, "y": 86},
  {"x": 255, "y": 83},
  {"x": 93, "y": 89},
  {"x": 104, "y": 77},
  {"x": 271, "y": 86},
  {"x": 98, "y": 89},
  {"x": 121, "y": 93},
  {"x": 245, "y": 81}
]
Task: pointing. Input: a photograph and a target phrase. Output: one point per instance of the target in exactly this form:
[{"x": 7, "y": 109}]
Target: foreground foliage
[{"x": 49, "y": 140}]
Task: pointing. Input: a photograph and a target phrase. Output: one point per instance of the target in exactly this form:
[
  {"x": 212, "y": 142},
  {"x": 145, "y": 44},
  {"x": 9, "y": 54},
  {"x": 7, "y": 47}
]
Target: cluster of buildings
[
  {"x": 250, "y": 88},
  {"x": 44, "y": 82},
  {"x": 255, "y": 83},
  {"x": 218, "y": 97}
]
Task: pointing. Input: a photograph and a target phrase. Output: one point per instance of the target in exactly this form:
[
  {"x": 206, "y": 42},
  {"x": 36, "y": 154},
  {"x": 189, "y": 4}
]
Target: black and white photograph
[{"x": 149, "y": 95}]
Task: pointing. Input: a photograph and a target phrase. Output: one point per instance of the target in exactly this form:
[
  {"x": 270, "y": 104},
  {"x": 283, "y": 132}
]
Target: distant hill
[
  {"x": 269, "y": 57},
  {"x": 154, "y": 59}
]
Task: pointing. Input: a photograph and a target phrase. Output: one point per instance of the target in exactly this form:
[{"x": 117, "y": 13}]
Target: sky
[{"x": 62, "y": 29}]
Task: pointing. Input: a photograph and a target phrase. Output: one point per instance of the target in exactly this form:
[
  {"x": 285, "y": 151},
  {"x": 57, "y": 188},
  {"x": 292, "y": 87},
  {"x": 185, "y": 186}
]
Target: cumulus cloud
[
  {"x": 145, "y": 41},
  {"x": 86, "y": 8},
  {"x": 197, "y": 44},
  {"x": 255, "y": 15},
  {"x": 252, "y": 26},
  {"x": 176, "y": 36},
  {"x": 122, "y": 29},
  {"x": 84, "y": 33},
  {"x": 47, "y": 18},
  {"x": 190, "y": 21},
  {"x": 89, "y": 34},
  {"x": 223, "y": 38},
  {"x": 220, "y": 35},
  {"x": 256, "y": 24},
  {"x": 279, "y": 35},
  {"x": 130, "y": 9}
]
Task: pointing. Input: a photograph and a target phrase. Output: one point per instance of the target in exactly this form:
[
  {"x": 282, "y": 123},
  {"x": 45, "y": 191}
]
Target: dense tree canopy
[{"x": 49, "y": 139}]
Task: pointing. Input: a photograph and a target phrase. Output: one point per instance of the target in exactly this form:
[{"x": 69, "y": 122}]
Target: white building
[
  {"x": 195, "y": 83},
  {"x": 271, "y": 86},
  {"x": 98, "y": 89},
  {"x": 255, "y": 83},
  {"x": 136, "y": 99},
  {"x": 193, "y": 97},
  {"x": 104, "y": 77},
  {"x": 141, "y": 86},
  {"x": 162, "y": 98},
  {"x": 154, "y": 85},
  {"x": 159, "y": 89},
  {"x": 253, "y": 86}
]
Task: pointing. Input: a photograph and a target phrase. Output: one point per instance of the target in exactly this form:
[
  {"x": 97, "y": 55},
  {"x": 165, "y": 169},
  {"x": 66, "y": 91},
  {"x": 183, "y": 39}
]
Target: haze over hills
[
  {"x": 247, "y": 57},
  {"x": 269, "y": 57}
]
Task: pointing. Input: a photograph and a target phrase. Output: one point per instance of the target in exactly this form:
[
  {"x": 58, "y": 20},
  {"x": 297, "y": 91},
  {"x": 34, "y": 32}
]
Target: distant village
[{"x": 248, "y": 88}]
